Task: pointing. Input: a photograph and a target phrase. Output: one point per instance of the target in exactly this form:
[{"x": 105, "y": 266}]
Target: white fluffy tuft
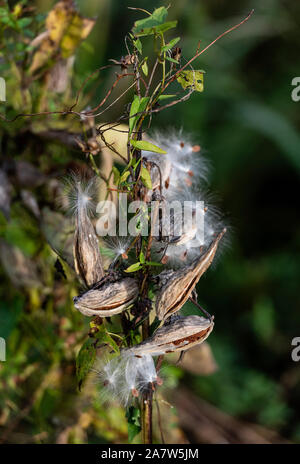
[
  {"x": 187, "y": 176},
  {"x": 79, "y": 195},
  {"x": 126, "y": 376}
]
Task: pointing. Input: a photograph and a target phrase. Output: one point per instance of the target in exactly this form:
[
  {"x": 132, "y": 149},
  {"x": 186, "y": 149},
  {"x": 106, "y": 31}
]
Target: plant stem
[{"x": 146, "y": 411}]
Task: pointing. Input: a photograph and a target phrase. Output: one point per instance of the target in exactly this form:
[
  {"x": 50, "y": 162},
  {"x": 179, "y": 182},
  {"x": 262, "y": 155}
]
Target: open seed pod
[
  {"x": 87, "y": 257},
  {"x": 180, "y": 284},
  {"x": 107, "y": 298},
  {"x": 160, "y": 170},
  {"x": 179, "y": 335}
]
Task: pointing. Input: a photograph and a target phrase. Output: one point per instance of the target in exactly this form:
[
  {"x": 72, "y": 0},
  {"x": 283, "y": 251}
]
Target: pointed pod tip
[{"x": 220, "y": 235}]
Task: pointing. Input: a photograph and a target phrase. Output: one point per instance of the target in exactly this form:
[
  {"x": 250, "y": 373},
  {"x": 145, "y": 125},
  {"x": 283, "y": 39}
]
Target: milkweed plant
[{"x": 140, "y": 250}]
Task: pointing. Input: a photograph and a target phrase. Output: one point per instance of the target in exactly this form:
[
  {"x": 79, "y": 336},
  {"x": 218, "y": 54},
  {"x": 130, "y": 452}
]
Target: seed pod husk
[
  {"x": 87, "y": 257},
  {"x": 107, "y": 298},
  {"x": 179, "y": 335},
  {"x": 160, "y": 170},
  {"x": 180, "y": 284}
]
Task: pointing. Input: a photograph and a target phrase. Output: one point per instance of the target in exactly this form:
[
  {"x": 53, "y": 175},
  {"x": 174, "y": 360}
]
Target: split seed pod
[
  {"x": 179, "y": 335},
  {"x": 87, "y": 257},
  {"x": 107, "y": 298},
  {"x": 160, "y": 170},
  {"x": 180, "y": 284}
]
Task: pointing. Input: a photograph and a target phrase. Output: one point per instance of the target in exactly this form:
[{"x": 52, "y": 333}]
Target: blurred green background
[{"x": 247, "y": 124}]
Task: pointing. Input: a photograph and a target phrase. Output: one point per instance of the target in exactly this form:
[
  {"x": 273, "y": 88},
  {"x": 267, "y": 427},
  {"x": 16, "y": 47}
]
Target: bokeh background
[{"x": 247, "y": 124}]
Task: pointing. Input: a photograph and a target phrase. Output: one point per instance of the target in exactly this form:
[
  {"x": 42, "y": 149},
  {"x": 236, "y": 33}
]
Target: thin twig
[
  {"x": 199, "y": 52},
  {"x": 151, "y": 77}
]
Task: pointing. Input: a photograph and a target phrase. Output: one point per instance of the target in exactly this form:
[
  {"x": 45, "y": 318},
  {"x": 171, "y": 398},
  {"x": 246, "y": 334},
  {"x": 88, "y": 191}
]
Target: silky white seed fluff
[
  {"x": 116, "y": 246},
  {"x": 127, "y": 375},
  {"x": 185, "y": 162},
  {"x": 196, "y": 235},
  {"x": 186, "y": 172},
  {"x": 79, "y": 195}
]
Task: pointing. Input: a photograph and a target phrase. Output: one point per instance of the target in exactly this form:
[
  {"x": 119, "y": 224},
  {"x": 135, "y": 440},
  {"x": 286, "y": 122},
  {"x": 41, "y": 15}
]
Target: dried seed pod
[
  {"x": 188, "y": 229},
  {"x": 179, "y": 335},
  {"x": 107, "y": 298},
  {"x": 160, "y": 170},
  {"x": 180, "y": 284},
  {"x": 87, "y": 257}
]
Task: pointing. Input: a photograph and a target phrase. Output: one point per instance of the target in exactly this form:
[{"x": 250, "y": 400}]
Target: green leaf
[
  {"x": 146, "y": 146},
  {"x": 116, "y": 174},
  {"x": 124, "y": 176},
  {"x": 153, "y": 24},
  {"x": 153, "y": 263},
  {"x": 142, "y": 258},
  {"x": 165, "y": 97},
  {"x": 170, "y": 44},
  {"x": 134, "y": 267},
  {"x": 171, "y": 59},
  {"x": 133, "y": 110},
  {"x": 133, "y": 430},
  {"x": 133, "y": 417},
  {"x": 146, "y": 178},
  {"x": 158, "y": 17},
  {"x": 138, "y": 45},
  {"x": 104, "y": 337},
  {"x": 160, "y": 29},
  {"x": 137, "y": 106},
  {"x": 166, "y": 26},
  {"x": 191, "y": 79},
  {"x": 85, "y": 360},
  {"x": 145, "y": 68}
]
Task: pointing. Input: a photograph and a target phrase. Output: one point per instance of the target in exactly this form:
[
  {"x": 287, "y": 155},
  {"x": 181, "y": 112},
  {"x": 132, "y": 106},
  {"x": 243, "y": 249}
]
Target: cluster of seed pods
[{"x": 112, "y": 292}]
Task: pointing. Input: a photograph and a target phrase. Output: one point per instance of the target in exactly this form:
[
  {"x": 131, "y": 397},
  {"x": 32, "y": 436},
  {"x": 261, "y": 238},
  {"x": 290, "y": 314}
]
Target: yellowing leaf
[
  {"x": 65, "y": 29},
  {"x": 116, "y": 174},
  {"x": 134, "y": 267},
  {"x": 145, "y": 68},
  {"x": 78, "y": 30},
  {"x": 191, "y": 79},
  {"x": 42, "y": 55},
  {"x": 124, "y": 176},
  {"x": 57, "y": 21},
  {"x": 146, "y": 178}
]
